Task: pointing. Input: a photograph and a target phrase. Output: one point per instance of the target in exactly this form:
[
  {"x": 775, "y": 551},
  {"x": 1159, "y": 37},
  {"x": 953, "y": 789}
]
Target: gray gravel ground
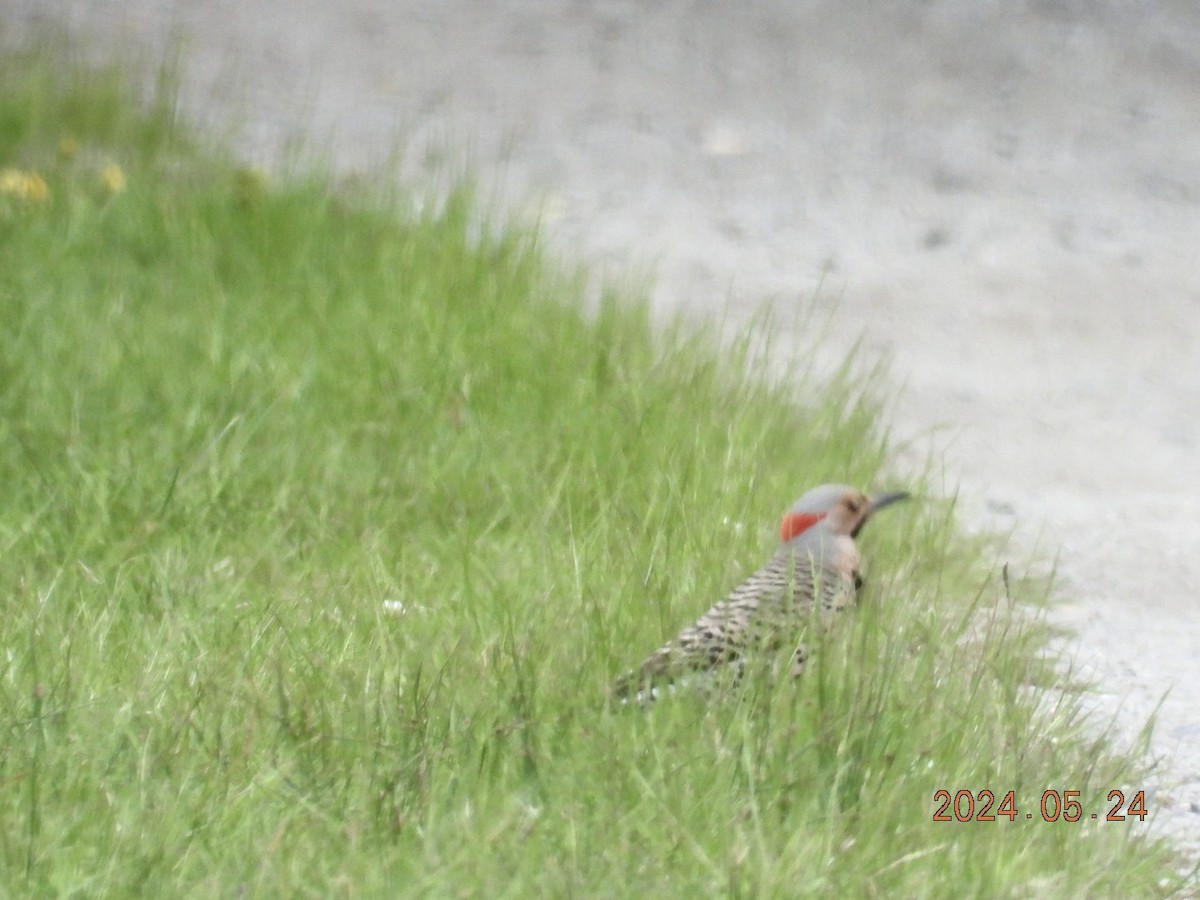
[{"x": 1002, "y": 197}]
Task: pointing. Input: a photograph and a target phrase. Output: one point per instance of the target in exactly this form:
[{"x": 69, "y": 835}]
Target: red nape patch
[{"x": 794, "y": 524}]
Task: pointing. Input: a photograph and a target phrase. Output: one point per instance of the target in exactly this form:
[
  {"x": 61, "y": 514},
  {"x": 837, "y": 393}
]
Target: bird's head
[{"x": 841, "y": 508}]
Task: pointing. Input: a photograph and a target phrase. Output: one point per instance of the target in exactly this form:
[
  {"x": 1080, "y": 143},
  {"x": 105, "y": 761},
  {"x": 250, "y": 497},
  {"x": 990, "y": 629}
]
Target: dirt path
[{"x": 1004, "y": 198}]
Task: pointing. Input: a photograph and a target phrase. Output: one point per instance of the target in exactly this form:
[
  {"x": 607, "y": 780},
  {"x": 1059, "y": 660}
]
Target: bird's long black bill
[{"x": 879, "y": 501}]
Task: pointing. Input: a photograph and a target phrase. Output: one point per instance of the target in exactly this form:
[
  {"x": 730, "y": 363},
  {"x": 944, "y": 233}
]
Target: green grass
[{"x": 242, "y": 419}]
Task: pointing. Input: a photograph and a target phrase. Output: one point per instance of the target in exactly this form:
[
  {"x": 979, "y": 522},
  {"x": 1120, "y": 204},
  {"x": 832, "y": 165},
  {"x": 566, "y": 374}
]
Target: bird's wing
[{"x": 754, "y": 612}]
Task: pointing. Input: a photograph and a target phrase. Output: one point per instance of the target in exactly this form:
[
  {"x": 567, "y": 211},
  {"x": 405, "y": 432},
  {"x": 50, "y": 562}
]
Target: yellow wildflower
[
  {"x": 22, "y": 184},
  {"x": 113, "y": 178},
  {"x": 68, "y": 147}
]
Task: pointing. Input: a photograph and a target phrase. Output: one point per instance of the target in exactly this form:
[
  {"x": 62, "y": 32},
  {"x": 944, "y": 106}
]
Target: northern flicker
[{"x": 817, "y": 564}]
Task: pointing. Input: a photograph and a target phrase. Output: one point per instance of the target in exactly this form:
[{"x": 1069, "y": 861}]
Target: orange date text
[{"x": 1054, "y": 806}]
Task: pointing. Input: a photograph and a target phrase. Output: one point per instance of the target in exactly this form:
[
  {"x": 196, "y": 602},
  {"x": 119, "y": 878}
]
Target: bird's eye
[{"x": 853, "y": 505}]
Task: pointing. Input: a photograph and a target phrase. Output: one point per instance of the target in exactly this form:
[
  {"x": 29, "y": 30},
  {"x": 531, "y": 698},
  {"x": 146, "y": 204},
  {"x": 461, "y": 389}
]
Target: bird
[{"x": 816, "y": 566}]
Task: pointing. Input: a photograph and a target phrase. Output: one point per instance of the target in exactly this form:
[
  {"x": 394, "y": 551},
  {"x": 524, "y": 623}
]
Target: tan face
[
  {"x": 849, "y": 514},
  {"x": 852, "y": 510}
]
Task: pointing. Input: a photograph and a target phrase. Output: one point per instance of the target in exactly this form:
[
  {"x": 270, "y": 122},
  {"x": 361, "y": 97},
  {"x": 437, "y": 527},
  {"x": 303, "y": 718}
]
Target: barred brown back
[{"x": 769, "y": 608}]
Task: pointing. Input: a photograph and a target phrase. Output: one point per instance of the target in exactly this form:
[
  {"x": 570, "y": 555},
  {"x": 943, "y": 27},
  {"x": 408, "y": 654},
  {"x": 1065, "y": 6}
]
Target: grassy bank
[{"x": 327, "y": 523}]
